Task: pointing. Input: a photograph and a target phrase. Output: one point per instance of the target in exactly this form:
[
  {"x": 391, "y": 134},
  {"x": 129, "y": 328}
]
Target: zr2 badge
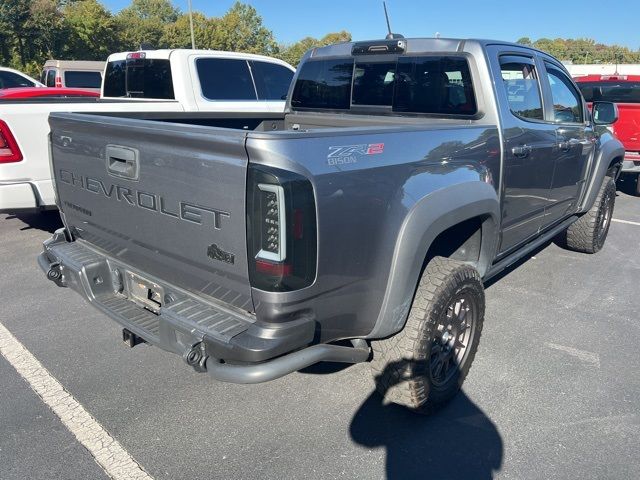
[{"x": 345, "y": 154}]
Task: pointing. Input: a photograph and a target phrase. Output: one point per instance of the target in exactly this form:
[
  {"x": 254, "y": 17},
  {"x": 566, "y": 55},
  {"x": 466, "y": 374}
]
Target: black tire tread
[
  {"x": 582, "y": 235},
  {"x": 391, "y": 364}
]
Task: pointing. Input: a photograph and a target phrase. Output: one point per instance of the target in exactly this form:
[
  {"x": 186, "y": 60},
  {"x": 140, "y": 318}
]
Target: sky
[{"x": 613, "y": 22}]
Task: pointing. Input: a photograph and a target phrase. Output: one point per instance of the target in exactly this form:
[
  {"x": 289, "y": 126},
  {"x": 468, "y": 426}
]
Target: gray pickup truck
[{"x": 358, "y": 226}]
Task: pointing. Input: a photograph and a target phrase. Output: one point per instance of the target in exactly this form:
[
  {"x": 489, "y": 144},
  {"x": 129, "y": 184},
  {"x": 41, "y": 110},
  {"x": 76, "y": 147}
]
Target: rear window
[
  {"x": 80, "y": 79},
  {"x": 139, "y": 78},
  {"x": 324, "y": 84},
  {"x": 373, "y": 83},
  {"x": 438, "y": 85},
  {"x": 617, "y": 92},
  {"x": 225, "y": 79}
]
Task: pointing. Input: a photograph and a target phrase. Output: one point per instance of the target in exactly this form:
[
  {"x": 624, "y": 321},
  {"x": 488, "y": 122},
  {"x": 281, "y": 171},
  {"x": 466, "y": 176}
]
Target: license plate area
[{"x": 147, "y": 294}]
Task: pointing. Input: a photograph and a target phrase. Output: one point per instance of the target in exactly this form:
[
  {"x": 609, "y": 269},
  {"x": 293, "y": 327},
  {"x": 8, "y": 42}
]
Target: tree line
[
  {"x": 32, "y": 31},
  {"x": 583, "y": 50}
]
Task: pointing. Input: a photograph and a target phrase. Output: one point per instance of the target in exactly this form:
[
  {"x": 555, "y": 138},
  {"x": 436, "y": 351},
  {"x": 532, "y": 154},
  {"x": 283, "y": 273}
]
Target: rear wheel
[
  {"x": 589, "y": 232},
  {"x": 638, "y": 185},
  {"x": 423, "y": 366}
]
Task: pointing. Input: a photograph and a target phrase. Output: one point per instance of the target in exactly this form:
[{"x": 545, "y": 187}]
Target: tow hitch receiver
[{"x": 130, "y": 339}]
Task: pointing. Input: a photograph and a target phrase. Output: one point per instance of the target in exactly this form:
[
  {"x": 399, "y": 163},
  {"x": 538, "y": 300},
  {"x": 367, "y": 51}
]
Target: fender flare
[
  {"x": 609, "y": 150},
  {"x": 428, "y": 218}
]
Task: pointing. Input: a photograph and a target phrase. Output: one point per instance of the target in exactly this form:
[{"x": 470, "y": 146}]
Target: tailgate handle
[{"x": 123, "y": 162}]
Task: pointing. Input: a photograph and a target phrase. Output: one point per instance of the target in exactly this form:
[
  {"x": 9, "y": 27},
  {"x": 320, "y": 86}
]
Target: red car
[
  {"x": 624, "y": 90},
  {"x": 43, "y": 92}
]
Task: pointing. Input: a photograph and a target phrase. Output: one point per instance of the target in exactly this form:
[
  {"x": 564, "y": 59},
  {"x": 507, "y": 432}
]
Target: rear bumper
[
  {"x": 26, "y": 195},
  {"x": 631, "y": 165},
  {"x": 233, "y": 343},
  {"x": 17, "y": 196}
]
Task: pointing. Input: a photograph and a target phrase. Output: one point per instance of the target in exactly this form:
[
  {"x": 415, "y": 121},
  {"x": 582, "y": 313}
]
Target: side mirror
[{"x": 604, "y": 113}]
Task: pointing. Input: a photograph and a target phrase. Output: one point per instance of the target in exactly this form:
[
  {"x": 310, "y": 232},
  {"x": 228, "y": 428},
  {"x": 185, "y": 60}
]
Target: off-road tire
[
  {"x": 401, "y": 364},
  {"x": 589, "y": 232}
]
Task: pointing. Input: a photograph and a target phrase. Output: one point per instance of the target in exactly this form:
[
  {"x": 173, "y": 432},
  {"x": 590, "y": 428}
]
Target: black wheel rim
[
  {"x": 452, "y": 339},
  {"x": 605, "y": 217}
]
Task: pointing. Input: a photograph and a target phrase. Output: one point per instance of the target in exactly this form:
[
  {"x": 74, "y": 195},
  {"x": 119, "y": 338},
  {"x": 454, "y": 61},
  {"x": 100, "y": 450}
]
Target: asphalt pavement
[{"x": 554, "y": 391}]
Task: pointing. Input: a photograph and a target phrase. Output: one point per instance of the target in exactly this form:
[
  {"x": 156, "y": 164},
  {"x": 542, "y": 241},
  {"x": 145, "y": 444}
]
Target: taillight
[
  {"x": 59, "y": 82},
  {"x": 9, "y": 150},
  {"x": 281, "y": 229}
]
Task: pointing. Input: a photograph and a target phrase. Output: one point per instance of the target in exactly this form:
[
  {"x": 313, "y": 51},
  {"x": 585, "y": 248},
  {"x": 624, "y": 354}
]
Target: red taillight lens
[
  {"x": 9, "y": 150},
  {"x": 273, "y": 269}
]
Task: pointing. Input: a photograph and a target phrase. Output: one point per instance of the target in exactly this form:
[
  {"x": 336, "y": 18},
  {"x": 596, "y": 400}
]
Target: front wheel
[
  {"x": 589, "y": 232},
  {"x": 423, "y": 366}
]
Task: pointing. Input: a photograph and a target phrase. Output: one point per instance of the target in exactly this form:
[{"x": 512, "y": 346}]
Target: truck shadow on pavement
[
  {"x": 48, "y": 220},
  {"x": 457, "y": 442}
]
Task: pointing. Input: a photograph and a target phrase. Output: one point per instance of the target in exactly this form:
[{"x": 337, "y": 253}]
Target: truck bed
[{"x": 185, "y": 206}]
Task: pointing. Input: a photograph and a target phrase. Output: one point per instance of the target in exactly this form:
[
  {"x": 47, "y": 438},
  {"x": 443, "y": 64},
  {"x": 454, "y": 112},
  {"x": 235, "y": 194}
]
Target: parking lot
[{"x": 554, "y": 391}]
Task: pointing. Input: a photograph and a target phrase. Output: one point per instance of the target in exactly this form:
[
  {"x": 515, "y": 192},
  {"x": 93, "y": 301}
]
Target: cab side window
[
  {"x": 272, "y": 80},
  {"x": 567, "y": 103},
  {"x": 520, "y": 80},
  {"x": 225, "y": 79}
]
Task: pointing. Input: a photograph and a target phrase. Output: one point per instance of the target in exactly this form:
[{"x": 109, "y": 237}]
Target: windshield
[
  {"x": 139, "y": 78},
  {"x": 617, "y": 92},
  {"x": 437, "y": 85}
]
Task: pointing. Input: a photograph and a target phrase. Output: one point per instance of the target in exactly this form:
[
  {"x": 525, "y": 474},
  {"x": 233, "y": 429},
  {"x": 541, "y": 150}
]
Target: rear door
[
  {"x": 163, "y": 198},
  {"x": 575, "y": 142},
  {"x": 529, "y": 143}
]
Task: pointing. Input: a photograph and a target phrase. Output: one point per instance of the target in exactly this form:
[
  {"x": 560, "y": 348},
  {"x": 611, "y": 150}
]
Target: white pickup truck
[{"x": 147, "y": 84}]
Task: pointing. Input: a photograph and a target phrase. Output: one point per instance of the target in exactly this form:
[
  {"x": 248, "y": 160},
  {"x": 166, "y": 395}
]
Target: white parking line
[
  {"x": 585, "y": 356},
  {"x": 625, "y": 221},
  {"x": 106, "y": 450}
]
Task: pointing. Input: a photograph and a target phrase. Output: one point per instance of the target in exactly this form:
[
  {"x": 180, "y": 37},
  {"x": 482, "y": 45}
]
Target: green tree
[
  {"x": 241, "y": 30},
  {"x": 47, "y": 21},
  {"x": 583, "y": 50},
  {"x": 525, "y": 41},
  {"x": 161, "y": 10},
  {"x": 91, "y": 31},
  {"x": 294, "y": 52},
  {"x": 144, "y": 22},
  {"x": 14, "y": 16},
  {"x": 177, "y": 34}
]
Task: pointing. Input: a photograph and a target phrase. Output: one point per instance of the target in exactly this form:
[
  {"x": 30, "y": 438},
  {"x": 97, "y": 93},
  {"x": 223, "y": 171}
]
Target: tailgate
[
  {"x": 627, "y": 128},
  {"x": 167, "y": 199}
]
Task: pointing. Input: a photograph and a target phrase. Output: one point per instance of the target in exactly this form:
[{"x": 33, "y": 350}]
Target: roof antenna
[{"x": 390, "y": 36}]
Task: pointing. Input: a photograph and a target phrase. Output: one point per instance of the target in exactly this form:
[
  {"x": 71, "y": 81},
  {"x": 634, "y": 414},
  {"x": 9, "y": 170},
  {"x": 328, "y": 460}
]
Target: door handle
[
  {"x": 566, "y": 145},
  {"x": 123, "y": 162},
  {"x": 521, "y": 151}
]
